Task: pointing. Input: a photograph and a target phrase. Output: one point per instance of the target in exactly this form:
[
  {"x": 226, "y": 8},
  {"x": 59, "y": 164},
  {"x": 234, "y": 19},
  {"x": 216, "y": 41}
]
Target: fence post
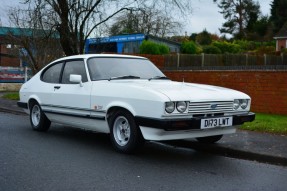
[
  {"x": 26, "y": 74},
  {"x": 202, "y": 59},
  {"x": 177, "y": 66},
  {"x": 265, "y": 59},
  {"x": 246, "y": 59}
]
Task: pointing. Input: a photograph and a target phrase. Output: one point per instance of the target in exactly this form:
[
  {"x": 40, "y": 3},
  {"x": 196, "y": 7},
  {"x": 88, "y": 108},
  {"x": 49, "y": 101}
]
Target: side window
[
  {"x": 52, "y": 74},
  {"x": 74, "y": 67}
]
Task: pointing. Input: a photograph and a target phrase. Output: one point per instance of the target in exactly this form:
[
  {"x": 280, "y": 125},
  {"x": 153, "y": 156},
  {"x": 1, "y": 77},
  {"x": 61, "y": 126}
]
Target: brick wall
[
  {"x": 281, "y": 43},
  {"x": 267, "y": 89},
  {"x": 158, "y": 60},
  {"x": 9, "y": 61}
]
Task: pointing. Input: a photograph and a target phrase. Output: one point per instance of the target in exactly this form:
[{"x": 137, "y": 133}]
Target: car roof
[{"x": 86, "y": 56}]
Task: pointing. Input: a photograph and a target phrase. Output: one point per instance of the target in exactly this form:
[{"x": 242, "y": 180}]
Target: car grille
[{"x": 211, "y": 108}]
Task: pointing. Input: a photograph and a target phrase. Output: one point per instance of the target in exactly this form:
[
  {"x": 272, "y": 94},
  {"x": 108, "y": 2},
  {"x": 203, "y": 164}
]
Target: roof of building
[
  {"x": 129, "y": 37},
  {"x": 282, "y": 32},
  {"x": 16, "y": 31},
  {"x": 163, "y": 40}
]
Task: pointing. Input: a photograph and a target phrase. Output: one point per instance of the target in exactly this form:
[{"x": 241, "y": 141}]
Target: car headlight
[
  {"x": 181, "y": 106},
  {"x": 240, "y": 103},
  {"x": 169, "y": 107},
  {"x": 244, "y": 103},
  {"x": 236, "y": 104}
]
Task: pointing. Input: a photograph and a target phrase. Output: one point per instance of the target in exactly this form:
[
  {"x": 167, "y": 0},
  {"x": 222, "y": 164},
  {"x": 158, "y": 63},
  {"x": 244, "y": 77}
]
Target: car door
[
  {"x": 71, "y": 102},
  {"x": 50, "y": 78}
]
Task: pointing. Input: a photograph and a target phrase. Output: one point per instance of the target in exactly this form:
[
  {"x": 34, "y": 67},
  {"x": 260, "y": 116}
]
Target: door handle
[{"x": 57, "y": 87}]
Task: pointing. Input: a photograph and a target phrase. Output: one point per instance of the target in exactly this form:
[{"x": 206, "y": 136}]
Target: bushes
[
  {"x": 188, "y": 47},
  {"x": 210, "y": 49},
  {"x": 227, "y": 47},
  {"x": 284, "y": 50},
  {"x": 149, "y": 47},
  {"x": 265, "y": 50},
  {"x": 246, "y": 45},
  {"x": 163, "y": 49},
  {"x": 217, "y": 47}
]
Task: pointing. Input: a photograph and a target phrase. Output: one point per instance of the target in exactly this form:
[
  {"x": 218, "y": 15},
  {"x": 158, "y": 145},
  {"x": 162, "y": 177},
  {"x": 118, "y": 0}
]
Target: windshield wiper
[
  {"x": 124, "y": 77},
  {"x": 158, "y": 78}
]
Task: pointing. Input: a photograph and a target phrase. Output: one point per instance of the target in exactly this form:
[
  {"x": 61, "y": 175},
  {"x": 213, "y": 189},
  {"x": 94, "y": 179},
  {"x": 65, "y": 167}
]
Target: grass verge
[
  {"x": 11, "y": 96},
  {"x": 268, "y": 123}
]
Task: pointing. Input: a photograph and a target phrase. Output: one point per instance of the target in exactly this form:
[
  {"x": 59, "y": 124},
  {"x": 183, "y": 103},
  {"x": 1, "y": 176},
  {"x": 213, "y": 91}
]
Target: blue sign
[{"x": 120, "y": 38}]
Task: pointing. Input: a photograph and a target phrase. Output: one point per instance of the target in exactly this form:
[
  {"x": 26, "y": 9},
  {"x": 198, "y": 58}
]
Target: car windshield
[{"x": 122, "y": 68}]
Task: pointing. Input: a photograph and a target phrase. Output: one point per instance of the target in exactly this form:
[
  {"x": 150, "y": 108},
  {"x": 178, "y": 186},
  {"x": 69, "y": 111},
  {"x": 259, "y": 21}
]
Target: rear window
[{"x": 52, "y": 74}]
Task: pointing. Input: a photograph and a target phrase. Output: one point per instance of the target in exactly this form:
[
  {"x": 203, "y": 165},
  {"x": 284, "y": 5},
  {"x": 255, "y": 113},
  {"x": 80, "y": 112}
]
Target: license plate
[{"x": 216, "y": 122}]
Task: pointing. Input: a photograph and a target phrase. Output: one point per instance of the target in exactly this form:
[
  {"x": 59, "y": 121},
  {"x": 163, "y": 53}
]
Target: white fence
[
  {"x": 224, "y": 62},
  {"x": 14, "y": 74}
]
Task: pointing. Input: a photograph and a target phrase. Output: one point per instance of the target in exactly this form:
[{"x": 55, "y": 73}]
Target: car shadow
[
  {"x": 156, "y": 154},
  {"x": 169, "y": 151}
]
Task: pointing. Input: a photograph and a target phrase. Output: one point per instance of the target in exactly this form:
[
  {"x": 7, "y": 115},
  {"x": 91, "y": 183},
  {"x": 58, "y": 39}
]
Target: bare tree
[
  {"x": 37, "y": 43},
  {"x": 76, "y": 20},
  {"x": 147, "y": 21}
]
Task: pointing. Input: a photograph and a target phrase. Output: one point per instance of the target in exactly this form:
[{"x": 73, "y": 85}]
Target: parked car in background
[{"x": 132, "y": 100}]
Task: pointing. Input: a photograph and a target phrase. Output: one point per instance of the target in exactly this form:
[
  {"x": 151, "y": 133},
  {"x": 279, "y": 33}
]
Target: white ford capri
[{"x": 132, "y": 100}]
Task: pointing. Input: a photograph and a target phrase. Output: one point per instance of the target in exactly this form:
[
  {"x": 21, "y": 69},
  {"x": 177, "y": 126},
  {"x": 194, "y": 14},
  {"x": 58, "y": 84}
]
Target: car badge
[{"x": 213, "y": 106}]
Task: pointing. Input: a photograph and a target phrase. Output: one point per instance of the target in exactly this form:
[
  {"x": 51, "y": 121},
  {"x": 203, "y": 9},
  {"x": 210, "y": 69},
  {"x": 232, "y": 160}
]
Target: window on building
[{"x": 131, "y": 47}]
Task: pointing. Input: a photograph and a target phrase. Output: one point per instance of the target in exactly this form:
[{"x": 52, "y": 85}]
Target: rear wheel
[
  {"x": 210, "y": 139},
  {"x": 124, "y": 133},
  {"x": 38, "y": 119}
]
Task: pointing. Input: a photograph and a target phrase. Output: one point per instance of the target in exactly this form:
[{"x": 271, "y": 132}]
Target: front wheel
[
  {"x": 38, "y": 119},
  {"x": 210, "y": 139},
  {"x": 124, "y": 133}
]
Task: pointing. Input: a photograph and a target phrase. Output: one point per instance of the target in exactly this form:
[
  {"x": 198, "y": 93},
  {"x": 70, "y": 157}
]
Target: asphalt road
[{"x": 70, "y": 159}]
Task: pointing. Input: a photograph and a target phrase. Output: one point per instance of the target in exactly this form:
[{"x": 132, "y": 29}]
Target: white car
[{"x": 130, "y": 98}]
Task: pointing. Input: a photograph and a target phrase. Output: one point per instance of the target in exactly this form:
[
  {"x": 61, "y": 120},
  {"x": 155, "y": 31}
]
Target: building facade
[
  {"x": 128, "y": 44},
  {"x": 7, "y": 49},
  {"x": 281, "y": 38}
]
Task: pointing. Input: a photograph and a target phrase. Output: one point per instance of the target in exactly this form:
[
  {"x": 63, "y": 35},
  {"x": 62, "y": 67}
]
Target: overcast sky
[{"x": 205, "y": 15}]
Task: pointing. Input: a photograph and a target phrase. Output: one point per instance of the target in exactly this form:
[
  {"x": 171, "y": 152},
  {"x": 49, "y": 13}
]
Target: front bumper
[
  {"x": 22, "y": 105},
  {"x": 188, "y": 123}
]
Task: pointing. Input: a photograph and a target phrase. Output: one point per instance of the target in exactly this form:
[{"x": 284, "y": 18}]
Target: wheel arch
[
  {"x": 133, "y": 140},
  {"x": 31, "y": 100},
  {"x": 115, "y": 108}
]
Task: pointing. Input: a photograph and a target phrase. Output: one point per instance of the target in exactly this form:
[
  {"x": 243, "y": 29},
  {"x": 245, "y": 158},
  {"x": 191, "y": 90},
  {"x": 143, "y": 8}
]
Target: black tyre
[
  {"x": 125, "y": 135},
  {"x": 209, "y": 140},
  {"x": 38, "y": 119}
]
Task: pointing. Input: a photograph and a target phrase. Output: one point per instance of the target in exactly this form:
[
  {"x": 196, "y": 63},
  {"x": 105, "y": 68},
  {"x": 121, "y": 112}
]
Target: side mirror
[{"x": 76, "y": 79}]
